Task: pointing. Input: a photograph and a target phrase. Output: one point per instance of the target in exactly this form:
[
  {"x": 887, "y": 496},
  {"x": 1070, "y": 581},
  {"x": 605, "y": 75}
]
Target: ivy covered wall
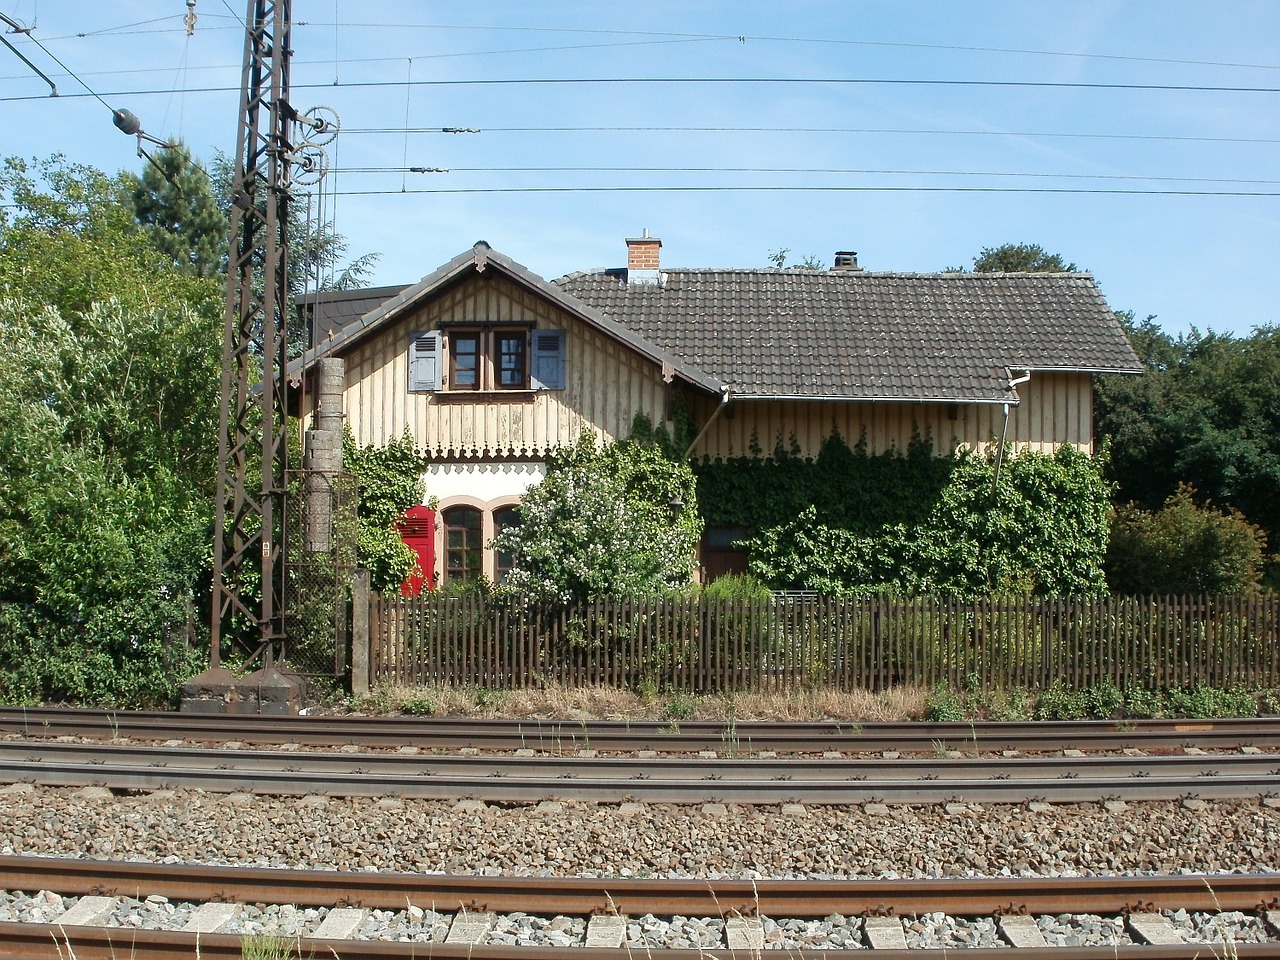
[{"x": 848, "y": 522}]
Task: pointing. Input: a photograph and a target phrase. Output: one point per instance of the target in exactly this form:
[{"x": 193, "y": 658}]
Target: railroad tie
[
  {"x": 340, "y": 923},
  {"x": 744, "y": 933},
  {"x": 88, "y": 912},
  {"x": 211, "y": 917},
  {"x": 884, "y": 933},
  {"x": 1021, "y": 931},
  {"x": 1154, "y": 928},
  {"x": 606, "y": 931},
  {"x": 470, "y": 927}
]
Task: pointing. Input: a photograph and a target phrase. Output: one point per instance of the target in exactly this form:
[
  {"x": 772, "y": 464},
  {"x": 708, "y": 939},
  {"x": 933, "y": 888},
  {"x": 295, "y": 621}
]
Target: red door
[{"x": 418, "y": 531}]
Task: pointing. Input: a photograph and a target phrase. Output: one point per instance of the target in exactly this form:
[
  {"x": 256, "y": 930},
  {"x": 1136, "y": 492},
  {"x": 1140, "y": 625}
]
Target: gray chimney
[{"x": 846, "y": 260}]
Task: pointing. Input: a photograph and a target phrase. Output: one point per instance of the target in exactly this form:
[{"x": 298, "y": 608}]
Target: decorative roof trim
[{"x": 479, "y": 258}]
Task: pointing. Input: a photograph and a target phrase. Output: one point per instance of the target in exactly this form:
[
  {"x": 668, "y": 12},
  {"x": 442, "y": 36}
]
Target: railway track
[
  {"x": 632, "y": 736},
  {"x": 607, "y": 913},
  {"x": 506, "y": 778}
]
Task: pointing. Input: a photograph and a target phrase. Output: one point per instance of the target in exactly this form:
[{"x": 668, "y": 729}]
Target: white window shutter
[
  {"x": 548, "y": 360},
  {"x": 424, "y": 361}
]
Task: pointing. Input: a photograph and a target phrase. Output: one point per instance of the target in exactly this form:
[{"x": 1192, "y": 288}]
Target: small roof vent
[{"x": 846, "y": 260}]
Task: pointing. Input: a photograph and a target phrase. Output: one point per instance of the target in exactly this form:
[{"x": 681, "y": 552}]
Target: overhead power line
[
  {"x": 660, "y": 36},
  {"x": 819, "y": 189},
  {"x": 748, "y": 81},
  {"x": 841, "y": 171},
  {"x": 400, "y": 131}
]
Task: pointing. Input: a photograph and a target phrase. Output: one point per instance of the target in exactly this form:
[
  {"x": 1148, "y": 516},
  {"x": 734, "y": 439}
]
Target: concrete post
[
  {"x": 323, "y": 455},
  {"x": 360, "y": 632}
]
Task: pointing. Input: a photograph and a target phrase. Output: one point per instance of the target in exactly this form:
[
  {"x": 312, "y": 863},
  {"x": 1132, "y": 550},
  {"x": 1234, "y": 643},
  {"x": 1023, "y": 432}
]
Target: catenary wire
[
  {"x": 818, "y": 170},
  {"x": 671, "y": 81},
  {"x": 677, "y": 37},
  {"x": 819, "y": 189},
  {"x": 400, "y": 131}
]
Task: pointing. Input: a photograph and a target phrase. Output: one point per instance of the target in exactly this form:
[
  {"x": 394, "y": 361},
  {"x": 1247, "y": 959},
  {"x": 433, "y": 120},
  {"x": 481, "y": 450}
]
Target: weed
[
  {"x": 1105, "y": 700},
  {"x": 943, "y": 706},
  {"x": 729, "y": 736},
  {"x": 1271, "y": 700},
  {"x": 681, "y": 706},
  {"x": 487, "y": 698},
  {"x": 419, "y": 705},
  {"x": 1143, "y": 704},
  {"x": 266, "y": 946},
  {"x": 1061, "y": 702}
]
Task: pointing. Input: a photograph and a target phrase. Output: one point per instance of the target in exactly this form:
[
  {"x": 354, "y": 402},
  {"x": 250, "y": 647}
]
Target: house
[{"x": 492, "y": 369}]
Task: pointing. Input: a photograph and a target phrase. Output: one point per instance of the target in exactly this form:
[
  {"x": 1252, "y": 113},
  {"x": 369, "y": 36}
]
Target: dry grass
[{"x": 555, "y": 702}]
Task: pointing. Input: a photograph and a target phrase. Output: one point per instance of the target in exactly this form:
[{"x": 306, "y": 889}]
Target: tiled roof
[
  {"x": 384, "y": 304},
  {"x": 334, "y": 309},
  {"x": 853, "y": 334}
]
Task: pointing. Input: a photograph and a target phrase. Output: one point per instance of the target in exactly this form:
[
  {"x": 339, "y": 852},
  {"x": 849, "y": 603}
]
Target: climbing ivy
[
  {"x": 849, "y": 522},
  {"x": 848, "y": 488},
  {"x": 390, "y": 482}
]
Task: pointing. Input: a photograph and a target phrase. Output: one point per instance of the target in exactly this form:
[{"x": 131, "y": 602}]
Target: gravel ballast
[{"x": 590, "y": 840}]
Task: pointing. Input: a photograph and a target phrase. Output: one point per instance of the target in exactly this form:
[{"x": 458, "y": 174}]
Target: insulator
[{"x": 126, "y": 121}]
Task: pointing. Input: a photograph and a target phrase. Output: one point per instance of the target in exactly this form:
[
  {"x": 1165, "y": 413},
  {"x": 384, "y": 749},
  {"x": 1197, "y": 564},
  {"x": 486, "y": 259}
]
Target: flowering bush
[{"x": 617, "y": 520}]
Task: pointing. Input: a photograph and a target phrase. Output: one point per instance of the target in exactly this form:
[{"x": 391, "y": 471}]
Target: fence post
[{"x": 360, "y": 632}]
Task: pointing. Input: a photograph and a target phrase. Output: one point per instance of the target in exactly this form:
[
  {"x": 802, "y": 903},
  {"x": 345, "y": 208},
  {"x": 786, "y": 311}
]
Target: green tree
[
  {"x": 1020, "y": 258},
  {"x": 617, "y": 520},
  {"x": 1206, "y": 413},
  {"x": 108, "y": 403},
  {"x": 1184, "y": 548},
  {"x": 173, "y": 200},
  {"x": 317, "y": 253}
]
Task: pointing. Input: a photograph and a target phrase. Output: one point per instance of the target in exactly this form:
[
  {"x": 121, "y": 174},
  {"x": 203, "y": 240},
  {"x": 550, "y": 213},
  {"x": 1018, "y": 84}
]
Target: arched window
[
  {"x": 463, "y": 544},
  {"x": 503, "y": 561}
]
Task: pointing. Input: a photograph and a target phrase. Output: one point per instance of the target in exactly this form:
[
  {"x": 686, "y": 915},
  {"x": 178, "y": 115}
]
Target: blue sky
[{"x": 1005, "y": 122}]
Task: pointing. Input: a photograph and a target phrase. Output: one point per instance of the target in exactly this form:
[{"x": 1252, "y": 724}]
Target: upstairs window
[
  {"x": 512, "y": 369},
  {"x": 487, "y": 358},
  {"x": 464, "y": 361}
]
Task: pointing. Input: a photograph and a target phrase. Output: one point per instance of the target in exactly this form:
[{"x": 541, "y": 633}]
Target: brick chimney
[
  {"x": 846, "y": 260},
  {"x": 643, "y": 268}
]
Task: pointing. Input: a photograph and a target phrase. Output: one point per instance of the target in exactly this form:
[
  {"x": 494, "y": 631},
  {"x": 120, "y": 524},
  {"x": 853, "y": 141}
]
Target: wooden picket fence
[{"x": 702, "y": 646}]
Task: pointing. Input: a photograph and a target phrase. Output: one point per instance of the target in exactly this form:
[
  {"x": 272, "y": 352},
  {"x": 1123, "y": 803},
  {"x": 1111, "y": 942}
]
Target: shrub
[
  {"x": 1143, "y": 704},
  {"x": 1184, "y": 548},
  {"x": 618, "y": 520},
  {"x": 1210, "y": 702},
  {"x": 1105, "y": 700},
  {"x": 1061, "y": 702},
  {"x": 736, "y": 586}
]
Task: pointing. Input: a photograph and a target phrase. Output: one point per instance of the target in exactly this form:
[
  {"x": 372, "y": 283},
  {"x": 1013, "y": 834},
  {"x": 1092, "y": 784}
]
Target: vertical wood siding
[
  {"x": 606, "y": 385},
  {"x": 1055, "y": 409}
]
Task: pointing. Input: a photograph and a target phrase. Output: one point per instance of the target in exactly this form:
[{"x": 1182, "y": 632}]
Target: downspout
[
  {"x": 724, "y": 402},
  {"x": 1004, "y": 431}
]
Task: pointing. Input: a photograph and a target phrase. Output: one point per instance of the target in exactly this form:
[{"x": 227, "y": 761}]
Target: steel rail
[
  {"x": 807, "y": 768},
  {"x": 48, "y": 942},
  {"x": 1103, "y": 895},
  {"x": 633, "y": 735},
  {"x": 360, "y": 783}
]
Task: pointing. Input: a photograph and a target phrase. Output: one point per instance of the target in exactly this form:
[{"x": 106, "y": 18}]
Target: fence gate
[{"x": 319, "y": 560}]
